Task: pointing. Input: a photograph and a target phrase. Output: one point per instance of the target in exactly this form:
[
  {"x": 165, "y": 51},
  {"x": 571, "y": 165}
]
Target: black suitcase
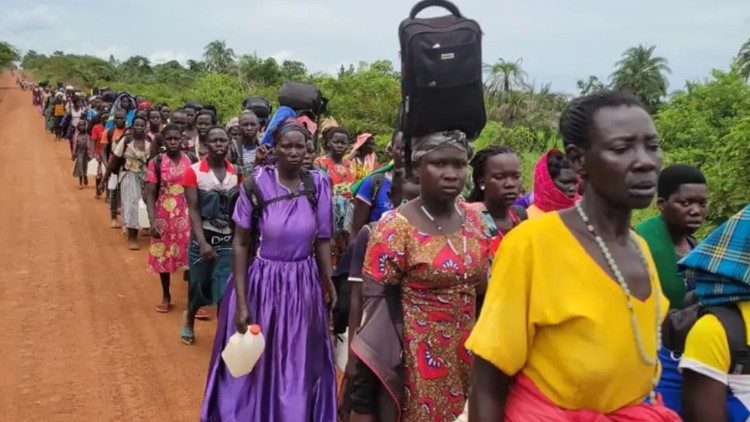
[
  {"x": 441, "y": 73},
  {"x": 258, "y": 105},
  {"x": 302, "y": 97}
]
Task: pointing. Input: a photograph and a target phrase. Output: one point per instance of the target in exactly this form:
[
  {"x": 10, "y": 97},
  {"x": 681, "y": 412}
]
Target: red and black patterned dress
[{"x": 438, "y": 275}]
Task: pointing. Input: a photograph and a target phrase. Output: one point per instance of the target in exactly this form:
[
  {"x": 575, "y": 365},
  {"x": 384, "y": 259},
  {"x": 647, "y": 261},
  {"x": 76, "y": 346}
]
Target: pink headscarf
[{"x": 547, "y": 196}]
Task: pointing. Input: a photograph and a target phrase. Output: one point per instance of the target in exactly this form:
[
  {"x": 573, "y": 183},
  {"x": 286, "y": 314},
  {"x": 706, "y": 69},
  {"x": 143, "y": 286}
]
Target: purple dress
[{"x": 294, "y": 379}]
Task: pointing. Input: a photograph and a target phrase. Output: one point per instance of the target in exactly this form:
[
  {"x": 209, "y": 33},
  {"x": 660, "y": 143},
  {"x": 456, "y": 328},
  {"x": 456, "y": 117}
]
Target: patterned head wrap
[
  {"x": 423, "y": 145},
  {"x": 235, "y": 122}
]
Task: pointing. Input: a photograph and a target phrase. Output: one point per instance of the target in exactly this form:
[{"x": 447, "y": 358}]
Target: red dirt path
[{"x": 79, "y": 337}]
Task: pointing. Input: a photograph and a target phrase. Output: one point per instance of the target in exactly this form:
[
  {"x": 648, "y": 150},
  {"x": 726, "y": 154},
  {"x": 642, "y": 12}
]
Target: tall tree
[
  {"x": 8, "y": 55},
  {"x": 592, "y": 84},
  {"x": 218, "y": 57},
  {"x": 293, "y": 70},
  {"x": 743, "y": 60},
  {"x": 643, "y": 74},
  {"x": 505, "y": 76}
]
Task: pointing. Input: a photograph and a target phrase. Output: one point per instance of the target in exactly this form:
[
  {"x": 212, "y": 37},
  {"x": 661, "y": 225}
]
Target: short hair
[
  {"x": 291, "y": 126},
  {"x": 207, "y": 112},
  {"x": 674, "y": 176},
  {"x": 577, "y": 120},
  {"x": 334, "y": 131},
  {"x": 169, "y": 127}
]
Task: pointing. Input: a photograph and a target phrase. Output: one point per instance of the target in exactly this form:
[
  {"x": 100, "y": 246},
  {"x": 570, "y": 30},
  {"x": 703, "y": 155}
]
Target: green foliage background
[{"x": 706, "y": 124}]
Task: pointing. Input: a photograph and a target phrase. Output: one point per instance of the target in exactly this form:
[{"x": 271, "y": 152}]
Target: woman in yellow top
[{"x": 571, "y": 322}]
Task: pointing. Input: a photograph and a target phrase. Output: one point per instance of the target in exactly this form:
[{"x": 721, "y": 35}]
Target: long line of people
[{"x": 456, "y": 305}]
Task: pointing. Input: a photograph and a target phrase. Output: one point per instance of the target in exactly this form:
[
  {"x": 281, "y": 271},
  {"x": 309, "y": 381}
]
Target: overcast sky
[{"x": 559, "y": 41}]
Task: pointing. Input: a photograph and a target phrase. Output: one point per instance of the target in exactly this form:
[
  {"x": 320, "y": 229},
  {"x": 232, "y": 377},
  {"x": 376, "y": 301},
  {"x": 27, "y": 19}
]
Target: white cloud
[
  {"x": 120, "y": 53},
  {"x": 163, "y": 56},
  {"x": 282, "y": 55},
  {"x": 39, "y": 14}
]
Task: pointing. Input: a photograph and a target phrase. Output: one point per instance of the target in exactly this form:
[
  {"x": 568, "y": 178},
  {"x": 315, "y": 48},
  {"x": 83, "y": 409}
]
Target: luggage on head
[
  {"x": 441, "y": 73},
  {"x": 302, "y": 97},
  {"x": 258, "y": 105}
]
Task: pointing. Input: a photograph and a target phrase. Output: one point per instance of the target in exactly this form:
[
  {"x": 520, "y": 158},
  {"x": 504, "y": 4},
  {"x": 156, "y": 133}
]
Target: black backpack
[
  {"x": 441, "y": 73},
  {"x": 260, "y": 106},
  {"x": 302, "y": 97},
  {"x": 679, "y": 322}
]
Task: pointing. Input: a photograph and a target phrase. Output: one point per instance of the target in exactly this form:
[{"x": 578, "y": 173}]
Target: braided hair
[
  {"x": 478, "y": 165},
  {"x": 577, "y": 120}
]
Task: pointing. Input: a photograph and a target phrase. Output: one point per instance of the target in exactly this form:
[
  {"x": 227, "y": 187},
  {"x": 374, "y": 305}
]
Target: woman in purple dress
[{"x": 284, "y": 289}]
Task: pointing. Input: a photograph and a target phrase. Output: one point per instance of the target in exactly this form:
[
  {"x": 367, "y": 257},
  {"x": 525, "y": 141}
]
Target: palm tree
[
  {"x": 218, "y": 57},
  {"x": 743, "y": 60},
  {"x": 505, "y": 76},
  {"x": 592, "y": 84},
  {"x": 642, "y": 74}
]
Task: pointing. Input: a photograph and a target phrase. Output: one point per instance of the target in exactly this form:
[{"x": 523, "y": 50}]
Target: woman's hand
[
  {"x": 208, "y": 253},
  {"x": 242, "y": 319},
  {"x": 329, "y": 294}
]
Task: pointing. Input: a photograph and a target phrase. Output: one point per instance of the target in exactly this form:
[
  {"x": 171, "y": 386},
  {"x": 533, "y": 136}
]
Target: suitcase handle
[{"x": 424, "y": 4}]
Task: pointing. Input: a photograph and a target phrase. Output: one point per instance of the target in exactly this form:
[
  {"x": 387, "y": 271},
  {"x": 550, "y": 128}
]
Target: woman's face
[
  {"x": 567, "y": 182},
  {"x": 173, "y": 140},
  {"x": 217, "y": 141},
  {"x": 190, "y": 113},
  {"x": 623, "y": 160},
  {"x": 125, "y": 103},
  {"x": 165, "y": 113},
  {"x": 502, "y": 178},
  {"x": 291, "y": 150},
  {"x": 234, "y": 133},
  {"x": 368, "y": 147},
  {"x": 139, "y": 127},
  {"x": 442, "y": 173},
  {"x": 202, "y": 124},
  {"x": 180, "y": 119},
  {"x": 338, "y": 144},
  {"x": 81, "y": 126},
  {"x": 154, "y": 118}
]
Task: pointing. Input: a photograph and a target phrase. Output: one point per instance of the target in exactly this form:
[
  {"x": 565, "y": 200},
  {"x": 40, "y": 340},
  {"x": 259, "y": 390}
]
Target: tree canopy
[{"x": 707, "y": 124}]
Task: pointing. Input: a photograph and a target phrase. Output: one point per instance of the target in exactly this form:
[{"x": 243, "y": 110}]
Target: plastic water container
[
  {"x": 92, "y": 167},
  {"x": 243, "y": 351},
  {"x": 143, "y": 215}
]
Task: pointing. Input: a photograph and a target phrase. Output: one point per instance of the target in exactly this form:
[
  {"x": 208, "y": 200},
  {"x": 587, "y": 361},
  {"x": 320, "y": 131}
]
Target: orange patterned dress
[{"x": 438, "y": 275}]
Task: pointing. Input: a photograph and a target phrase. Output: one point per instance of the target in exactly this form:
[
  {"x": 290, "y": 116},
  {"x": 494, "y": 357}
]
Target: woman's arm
[
  {"x": 703, "y": 398},
  {"x": 325, "y": 268},
  {"x": 490, "y": 388},
  {"x": 241, "y": 253},
  {"x": 151, "y": 196},
  {"x": 361, "y": 215}
]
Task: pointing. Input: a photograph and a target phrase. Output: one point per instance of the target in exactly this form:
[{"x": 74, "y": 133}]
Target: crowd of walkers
[{"x": 486, "y": 304}]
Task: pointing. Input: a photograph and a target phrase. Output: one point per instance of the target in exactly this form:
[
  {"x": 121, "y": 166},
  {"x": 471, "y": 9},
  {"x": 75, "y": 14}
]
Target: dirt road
[{"x": 79, "y": 337}]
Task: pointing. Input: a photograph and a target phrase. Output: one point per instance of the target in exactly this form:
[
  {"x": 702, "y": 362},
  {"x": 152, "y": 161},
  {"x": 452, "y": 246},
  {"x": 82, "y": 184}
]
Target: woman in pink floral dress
[{"x": 167, "y": 212}]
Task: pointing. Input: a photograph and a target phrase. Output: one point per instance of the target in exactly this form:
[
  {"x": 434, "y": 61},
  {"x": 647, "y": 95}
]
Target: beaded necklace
[
  {"x": 626, "y": 290},
  {"x": 450, "y": 243}
]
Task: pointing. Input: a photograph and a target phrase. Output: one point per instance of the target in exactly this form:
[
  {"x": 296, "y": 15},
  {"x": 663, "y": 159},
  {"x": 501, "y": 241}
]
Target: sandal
[
  {"x": 164, "y": 307},
  {"x": 187, "y": 335},
  {"x": 203, "y": 314}
]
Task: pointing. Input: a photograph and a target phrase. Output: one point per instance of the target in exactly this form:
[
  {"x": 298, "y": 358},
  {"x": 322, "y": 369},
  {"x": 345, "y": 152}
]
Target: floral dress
[
  {"x": 343, "y": 207},
  {"x": 168, "y": 254},
  {"x": 438, "y": 275}
]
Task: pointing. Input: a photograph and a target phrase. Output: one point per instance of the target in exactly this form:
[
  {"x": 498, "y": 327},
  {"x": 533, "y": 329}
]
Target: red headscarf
[
  {"x": 547, "y": 196},
  {"x": 145, "y": 104}
]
